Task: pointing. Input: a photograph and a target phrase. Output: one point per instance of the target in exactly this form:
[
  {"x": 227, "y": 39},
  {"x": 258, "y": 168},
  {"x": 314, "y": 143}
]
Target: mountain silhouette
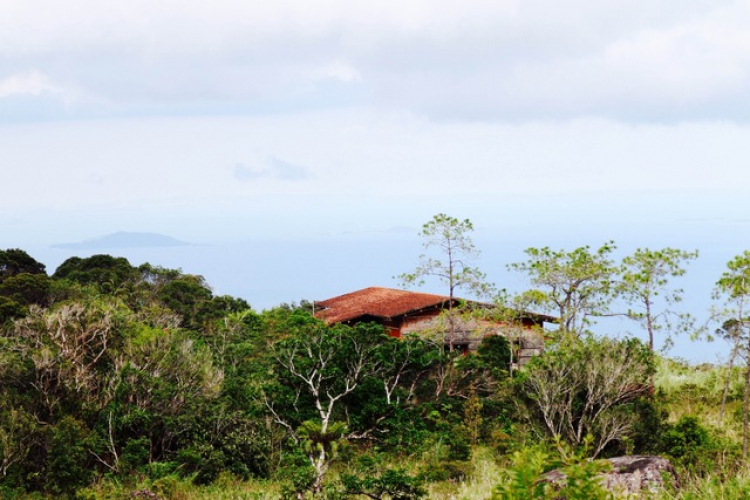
[{"x": 124, "y": 239}]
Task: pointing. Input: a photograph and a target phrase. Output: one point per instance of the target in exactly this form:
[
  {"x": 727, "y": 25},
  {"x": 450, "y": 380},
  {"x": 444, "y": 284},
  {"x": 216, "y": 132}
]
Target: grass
[
  {"x": 697, "y": 391},
  {"x": 710, "y": 488},
  {"x": 483, "y": 477},
  {"x": 226, "y": 487}
]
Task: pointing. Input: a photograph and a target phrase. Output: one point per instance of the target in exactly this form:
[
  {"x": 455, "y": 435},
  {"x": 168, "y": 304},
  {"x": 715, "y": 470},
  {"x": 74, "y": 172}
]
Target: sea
[{"x": 268, "y": 272}]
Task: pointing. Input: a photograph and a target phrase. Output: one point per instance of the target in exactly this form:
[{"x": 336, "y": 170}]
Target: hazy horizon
[{"x": 267, "y": 271}]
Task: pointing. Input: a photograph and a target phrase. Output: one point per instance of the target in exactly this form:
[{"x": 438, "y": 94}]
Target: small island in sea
[{"x": 123, "y": 239}]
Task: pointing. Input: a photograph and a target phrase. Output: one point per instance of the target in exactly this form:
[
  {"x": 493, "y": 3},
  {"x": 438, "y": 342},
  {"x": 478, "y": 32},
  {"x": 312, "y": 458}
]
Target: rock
[
  {"x": 145, "y": 494},
  {"x": 637, "y": 473},
  {"x": 629, "y": 474}
]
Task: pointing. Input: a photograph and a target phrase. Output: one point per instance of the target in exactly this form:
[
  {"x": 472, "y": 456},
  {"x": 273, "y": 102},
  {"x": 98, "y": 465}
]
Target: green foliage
[
  {"x": 711, "y": 488},
  {"x": 685, "y": 438},
  {"x": 583, "y": 482},
  {"x": 587, "y": 386},
  {"x": 10, "y": 310},
  {"x": 473, "y": 416},
  {"x": 106, "y": 272},
  {"x": 524, "y": 479},
  {"x": 444, "y": 470},
  {"x": 315, "y": 439},
  {"x": 27, "y": 289},
  {"x": 185, "y": 296},
  {"x": 119, "y": 382},
  {"x": 15, "y": 261},
  {"x": 451, "y": 238},
  {"x": 494, "y": 356},
  {"x": 135, "y": 454},
  {"x": 19, "y": 436},
  {"x": 697, "y": 449},
  {"x": 576, "y": 285},
  {"x": 219, "y": 440},
  {"x": 735, "y": 281},
  {"x": 295, "y": 472},
  {"x": 650, "y": 420},
  {"x": 69, "y": 465},
  {"x": 322, "y": 372},
  {"x": 392, "y": 483},
  {"x": 733, "y": 289},
  {"x": 644, "y": 284},
  {"x": 72, "y": 347}
]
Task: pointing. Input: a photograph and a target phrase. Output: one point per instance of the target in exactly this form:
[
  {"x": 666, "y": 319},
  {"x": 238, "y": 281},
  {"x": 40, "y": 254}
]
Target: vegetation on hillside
[{"x": 135, "y": 381}]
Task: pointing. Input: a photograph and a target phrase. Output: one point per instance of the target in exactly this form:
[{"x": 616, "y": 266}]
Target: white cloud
[
  {"x": 337, "y": 71},
  {"x": 29, "y": 83},
  {"x": 701, "y": 60},
  {"x": 274, "y": 168},
  {"x": 486, "y": 59}
]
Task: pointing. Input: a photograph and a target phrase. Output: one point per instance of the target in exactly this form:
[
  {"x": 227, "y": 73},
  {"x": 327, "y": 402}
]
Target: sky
[{"x": 316, "y": 125}]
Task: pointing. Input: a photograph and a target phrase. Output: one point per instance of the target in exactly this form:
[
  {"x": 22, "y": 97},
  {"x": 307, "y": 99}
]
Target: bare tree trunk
[
  {"x": 727, "y": 382},
  {"x": 320, "y": 470},
  {"x": 650, "y": 326}
]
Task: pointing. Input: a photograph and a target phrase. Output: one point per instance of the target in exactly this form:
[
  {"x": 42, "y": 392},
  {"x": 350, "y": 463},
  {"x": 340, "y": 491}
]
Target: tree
[
  {"x": 453, "y": 267},
  {"x": 107, "y": 272},
  {"x": 731, "y": 331},
  {"x": 585, "y": 386},
  {"x": 27, "y": 289},
  {"x": 15, "y": 261},
  {"x": 185, "y": 296},
  {"x": 10, "y": 309},
  {"x": 318, "y": 367},
  {"x": 645, "y": 284},
  {"x": 71, "y": 346},
  {"x": 575, "y": 285},
  {"x": 733, "y": 290},
  {"x": 18, "y": 435}
]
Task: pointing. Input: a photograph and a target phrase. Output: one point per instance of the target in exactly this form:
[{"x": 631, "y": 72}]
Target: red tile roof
[{"x": 375, "y": 301}]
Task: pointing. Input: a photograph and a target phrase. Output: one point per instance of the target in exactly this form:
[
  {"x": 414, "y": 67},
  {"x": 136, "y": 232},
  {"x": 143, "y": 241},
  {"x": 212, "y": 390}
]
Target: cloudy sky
[
  {"x": 167, "y": 105},
  {"x": 236, "y": 120}
]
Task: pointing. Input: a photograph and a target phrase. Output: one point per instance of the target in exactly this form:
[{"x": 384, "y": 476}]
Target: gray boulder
[
  {"x": 638, "y": 473},
  {"x": 630, "y": 474}
]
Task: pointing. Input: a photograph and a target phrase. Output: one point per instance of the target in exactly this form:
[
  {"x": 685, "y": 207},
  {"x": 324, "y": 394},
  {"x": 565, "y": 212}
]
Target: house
[{"x": 403, "y": 312}]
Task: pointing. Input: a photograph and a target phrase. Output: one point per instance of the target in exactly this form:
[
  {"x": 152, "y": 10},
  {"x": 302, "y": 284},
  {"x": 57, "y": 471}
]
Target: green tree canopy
[
  {"x": 16, "y": 261},
  {"x": 576, "y": 285},
  {"x": 107, "y": 272},
  {"x": 645, "y": 286}
]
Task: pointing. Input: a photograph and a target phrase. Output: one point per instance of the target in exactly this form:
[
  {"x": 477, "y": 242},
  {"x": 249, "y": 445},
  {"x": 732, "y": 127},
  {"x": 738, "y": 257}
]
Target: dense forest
[{"x": 135, "y": 381}]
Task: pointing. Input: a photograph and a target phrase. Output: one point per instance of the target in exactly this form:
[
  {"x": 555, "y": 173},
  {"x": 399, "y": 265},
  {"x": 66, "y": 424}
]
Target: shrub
[
  {"x": 697, "y": 450},
  {"x": 396, "y": 484},
  {"x": 68, "y": 466},
  {"x": 523, "y": 480},
  {"x": 587, "y": 387}
]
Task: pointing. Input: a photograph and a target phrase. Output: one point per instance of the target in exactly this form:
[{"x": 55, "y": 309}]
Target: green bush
[
  {"x": 68, "y": 465},
  {"x": 135, "y": 454},
  {"x": 295, "y": 472},
  {"x": 396, "y": 484},
  {"x": 447, "y": 470},
  {"x": 523, "y": 479},
  {"x": 697, "y": 450}
]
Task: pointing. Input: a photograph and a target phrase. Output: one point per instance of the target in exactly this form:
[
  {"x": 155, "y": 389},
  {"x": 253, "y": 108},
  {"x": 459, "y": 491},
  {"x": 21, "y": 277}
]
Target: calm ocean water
[{"x": 268, "y": 273}]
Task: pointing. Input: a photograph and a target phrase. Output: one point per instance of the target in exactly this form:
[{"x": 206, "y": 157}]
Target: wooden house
[{"x": 403, "y": 312}]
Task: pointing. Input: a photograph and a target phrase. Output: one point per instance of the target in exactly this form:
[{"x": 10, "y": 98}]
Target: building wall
[{"x": 525, "y": 340}]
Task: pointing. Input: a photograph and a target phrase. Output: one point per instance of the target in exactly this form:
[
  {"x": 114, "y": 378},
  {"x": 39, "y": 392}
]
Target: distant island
[{"x": 124, "y": 239}]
